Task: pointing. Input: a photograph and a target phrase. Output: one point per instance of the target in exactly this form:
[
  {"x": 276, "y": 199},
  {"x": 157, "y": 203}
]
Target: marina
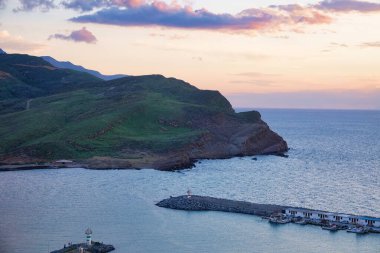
[{"x": 334, "y": 221}]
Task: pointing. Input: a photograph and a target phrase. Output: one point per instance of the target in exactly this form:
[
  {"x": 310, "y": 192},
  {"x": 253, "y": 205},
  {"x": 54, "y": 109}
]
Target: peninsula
[{"x": 49, "y": 114}]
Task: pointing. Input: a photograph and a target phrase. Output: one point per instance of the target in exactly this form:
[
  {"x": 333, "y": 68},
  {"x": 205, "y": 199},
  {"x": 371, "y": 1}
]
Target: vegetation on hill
[
  {"x": 23, "y": 77},
  {"x": 49, "y": 113}
]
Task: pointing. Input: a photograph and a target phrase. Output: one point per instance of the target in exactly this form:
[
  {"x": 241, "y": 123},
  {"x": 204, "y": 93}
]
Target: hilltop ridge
[{"x": 69, "y": 65}]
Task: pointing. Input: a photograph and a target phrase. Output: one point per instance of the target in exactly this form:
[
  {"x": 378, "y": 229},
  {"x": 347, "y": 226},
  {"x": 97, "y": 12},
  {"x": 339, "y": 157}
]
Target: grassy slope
[
  {"x": 23, "y": 77},
  {"x": 143, "y": 113}
]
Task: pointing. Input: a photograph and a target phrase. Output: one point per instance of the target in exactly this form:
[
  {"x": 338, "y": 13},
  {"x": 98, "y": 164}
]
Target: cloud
[
  {"x": 255, "y": 83},
  {"x": 170, "y": 37},
  {"x": 292, "y": 17},
  {"x": 79, "y": 5},
  {"x": 348, "y": 6},
  {"x": 197, "y": 58},
  {"x": 335, "y": 44},
  {"x": 256, "y": 79},
  {"x": 159, "y": 13},
  {"x": 29, "y": 5},
  {"x": 82, "y": 35},
  {"x": 301, "y": 14},
  {"x": 272, "y": 18},
  {"x": 371, "y": 44},
  {"x": 256, "y": 74},
  {"x": 2, "y": 3},
  {"x": 17, "y": 43},
  {"x": 86, "y": 5}
]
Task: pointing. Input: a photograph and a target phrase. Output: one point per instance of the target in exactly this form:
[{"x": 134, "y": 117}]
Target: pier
[{"x": 276, "y": 213}]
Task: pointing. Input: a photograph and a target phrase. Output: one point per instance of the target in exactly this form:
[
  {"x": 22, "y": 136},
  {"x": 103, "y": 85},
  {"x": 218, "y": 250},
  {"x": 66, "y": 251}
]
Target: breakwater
[
  {"x": 204, "y": 203},
  {"x": 276, "y": 213}
]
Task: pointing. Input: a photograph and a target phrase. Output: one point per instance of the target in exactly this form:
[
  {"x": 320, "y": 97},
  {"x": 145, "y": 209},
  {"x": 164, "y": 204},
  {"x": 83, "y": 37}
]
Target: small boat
[
  {"x": 331, "y": 228},
  {"x": 278, "y": 221},
  {"x": 342, "y": 227},
  {"x": 374, "y": 230},
  {"x": 301, "y": 222},
  {"x": 358, "y": 230}
]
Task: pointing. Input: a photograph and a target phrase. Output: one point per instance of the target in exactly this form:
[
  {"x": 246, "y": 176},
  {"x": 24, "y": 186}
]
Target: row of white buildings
[{"x": 333, "y": 217}]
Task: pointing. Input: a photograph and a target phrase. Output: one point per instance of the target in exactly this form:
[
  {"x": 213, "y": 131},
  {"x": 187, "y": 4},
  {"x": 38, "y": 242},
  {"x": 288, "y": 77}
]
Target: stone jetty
[
  {"x": 276, "y": 213},
  {"x": 204, "y": 203}
]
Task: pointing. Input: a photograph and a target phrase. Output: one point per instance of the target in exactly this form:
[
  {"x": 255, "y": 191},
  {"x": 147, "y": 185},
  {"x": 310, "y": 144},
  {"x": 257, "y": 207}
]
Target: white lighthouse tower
[{"x": 88, "y": 233}]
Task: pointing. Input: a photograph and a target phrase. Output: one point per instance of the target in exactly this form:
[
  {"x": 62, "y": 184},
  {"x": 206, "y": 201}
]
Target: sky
[{"x": 259, "y": 54}]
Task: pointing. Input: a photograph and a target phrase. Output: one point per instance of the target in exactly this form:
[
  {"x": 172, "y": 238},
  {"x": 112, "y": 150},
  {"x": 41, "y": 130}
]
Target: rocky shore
[
  {"x": 163, "y": 164},
  {"x": 225, "y": 141}
]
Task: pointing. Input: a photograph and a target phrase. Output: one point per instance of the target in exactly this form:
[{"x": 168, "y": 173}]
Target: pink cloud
[
  {"x": 158, "y": 13},
  {"x": 129, "y": 3},
  {"x": 308, "y": 15},
  {"x": 82, "y": 35},
  {"x": 163, "y": 14}
]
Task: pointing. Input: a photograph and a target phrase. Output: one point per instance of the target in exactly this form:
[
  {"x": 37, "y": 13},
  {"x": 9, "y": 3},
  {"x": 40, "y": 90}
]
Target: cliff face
[
  {"x": 133, "y": 122},
  {"x": 225, "y": 136}
]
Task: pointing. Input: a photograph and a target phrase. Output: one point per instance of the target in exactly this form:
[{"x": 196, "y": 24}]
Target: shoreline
[{"x": 117, "y": 164}]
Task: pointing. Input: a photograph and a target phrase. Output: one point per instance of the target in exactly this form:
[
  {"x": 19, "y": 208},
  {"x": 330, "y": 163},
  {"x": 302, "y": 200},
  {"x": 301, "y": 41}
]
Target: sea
[{"x": 333, "y": 164}]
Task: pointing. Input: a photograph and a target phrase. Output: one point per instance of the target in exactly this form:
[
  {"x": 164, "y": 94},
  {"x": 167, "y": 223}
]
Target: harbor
[{"x": 276, "y": 214}]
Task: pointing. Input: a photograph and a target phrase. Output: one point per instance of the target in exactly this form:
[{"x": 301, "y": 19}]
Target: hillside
[
  {"x": 24, "y": 77},
  {"x": 143, "y": 121}
]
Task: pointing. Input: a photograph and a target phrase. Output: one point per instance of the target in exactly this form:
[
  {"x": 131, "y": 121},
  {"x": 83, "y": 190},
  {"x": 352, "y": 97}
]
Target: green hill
[
  {"x": 24, "y": 77},
  {"x": 142, "y": 121}
]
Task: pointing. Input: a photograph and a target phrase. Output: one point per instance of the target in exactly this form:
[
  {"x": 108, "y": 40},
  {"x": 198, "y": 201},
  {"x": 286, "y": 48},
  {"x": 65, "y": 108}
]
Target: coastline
[{"x": 121, "y": 164}]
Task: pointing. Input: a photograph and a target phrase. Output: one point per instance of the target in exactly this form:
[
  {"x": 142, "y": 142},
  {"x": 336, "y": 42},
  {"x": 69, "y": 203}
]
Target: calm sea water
[{"x": 334, "y": 164}]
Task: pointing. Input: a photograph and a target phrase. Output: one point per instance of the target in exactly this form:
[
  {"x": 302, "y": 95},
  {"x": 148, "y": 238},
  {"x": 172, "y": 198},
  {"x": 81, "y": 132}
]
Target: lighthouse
[{"x": 88, "y": 233}]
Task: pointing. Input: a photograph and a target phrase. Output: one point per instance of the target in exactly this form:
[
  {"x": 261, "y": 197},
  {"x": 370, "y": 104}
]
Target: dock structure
[
  {"x": 332, "y": 217},
  {"x": 275, "y": 213}
]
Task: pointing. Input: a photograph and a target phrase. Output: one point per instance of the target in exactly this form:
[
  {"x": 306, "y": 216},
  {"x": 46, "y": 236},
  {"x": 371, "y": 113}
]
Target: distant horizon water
[{"x": 246, "y": 108}]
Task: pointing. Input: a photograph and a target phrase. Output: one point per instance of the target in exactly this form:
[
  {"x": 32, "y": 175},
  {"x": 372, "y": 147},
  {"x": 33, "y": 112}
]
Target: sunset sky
[{"x": 275, "y": 54}]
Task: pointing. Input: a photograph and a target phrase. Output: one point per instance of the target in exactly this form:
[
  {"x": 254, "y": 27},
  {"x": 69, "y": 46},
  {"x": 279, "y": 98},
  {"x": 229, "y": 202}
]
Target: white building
[
  {"x": 336, "y": 217},
  {"x": 88, "y": 233}
]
